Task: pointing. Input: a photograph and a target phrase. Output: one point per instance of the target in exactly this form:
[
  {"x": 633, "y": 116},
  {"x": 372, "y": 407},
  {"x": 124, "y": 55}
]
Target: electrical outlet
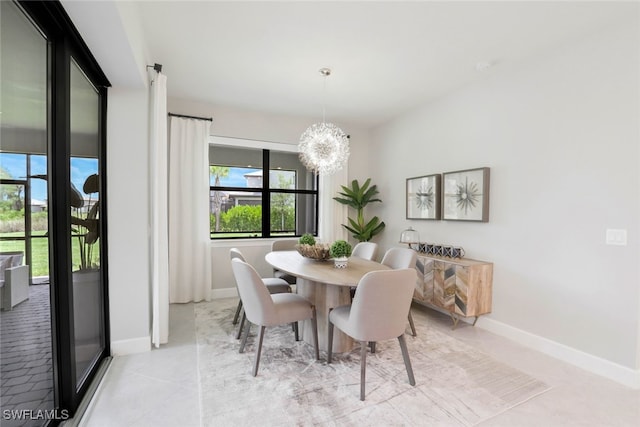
[{"x": 616, "y": 237}]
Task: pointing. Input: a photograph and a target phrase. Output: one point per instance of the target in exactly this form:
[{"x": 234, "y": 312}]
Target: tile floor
[{"x": 160, "y": 387}]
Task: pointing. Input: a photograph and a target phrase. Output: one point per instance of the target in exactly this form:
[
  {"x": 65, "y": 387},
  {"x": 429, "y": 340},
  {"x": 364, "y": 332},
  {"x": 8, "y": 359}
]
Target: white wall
[
  {"x": 561, "y": 136},
  {"x": 128, "y": 219}
]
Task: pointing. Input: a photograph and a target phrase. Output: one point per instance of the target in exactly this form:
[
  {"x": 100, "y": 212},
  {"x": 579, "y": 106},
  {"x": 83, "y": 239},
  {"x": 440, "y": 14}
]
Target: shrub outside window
[{"x": 246, "y": 201}]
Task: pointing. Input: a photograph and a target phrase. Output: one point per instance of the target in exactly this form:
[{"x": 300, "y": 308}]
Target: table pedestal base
[{"x": 324, "y": 297}]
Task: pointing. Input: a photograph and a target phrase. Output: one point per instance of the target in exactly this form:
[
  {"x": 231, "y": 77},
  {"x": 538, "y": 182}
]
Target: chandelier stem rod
[{"x": 324, "y": 98}]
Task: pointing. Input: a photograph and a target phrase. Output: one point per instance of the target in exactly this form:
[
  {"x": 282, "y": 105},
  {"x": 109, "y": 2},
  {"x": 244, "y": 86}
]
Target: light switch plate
[{"x": 616, "y": 237}]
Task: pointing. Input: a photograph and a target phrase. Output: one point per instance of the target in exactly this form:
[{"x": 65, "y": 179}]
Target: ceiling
[{"x": 386, "y": 57}]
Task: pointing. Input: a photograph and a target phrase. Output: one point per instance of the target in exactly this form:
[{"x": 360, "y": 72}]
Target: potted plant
[
  {"x": 307, "y": 239},
  {"x": 86, "y": 274},
  {"x": 358, "y": 197},
  {"x": 340, "y": 251}
]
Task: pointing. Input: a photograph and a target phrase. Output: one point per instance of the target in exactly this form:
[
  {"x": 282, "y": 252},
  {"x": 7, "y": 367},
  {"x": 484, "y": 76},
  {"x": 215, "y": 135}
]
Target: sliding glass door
[
  {"x": 26, "y": 349},
  {"x": 52, "y": 215}
]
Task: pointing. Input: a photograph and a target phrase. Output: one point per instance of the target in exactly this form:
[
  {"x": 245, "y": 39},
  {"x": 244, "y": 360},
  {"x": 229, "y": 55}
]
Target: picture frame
[
  {"x": 466, "y": 195},
  {"x": 423, "y": 199}
]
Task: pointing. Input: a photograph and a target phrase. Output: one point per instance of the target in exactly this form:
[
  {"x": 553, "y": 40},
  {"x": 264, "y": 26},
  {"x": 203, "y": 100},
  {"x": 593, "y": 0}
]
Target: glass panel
[
  {"x": 39, "y": 219},
  {"x": 85, "y": 222},
  {"x": 283, "y": 214},
  {"x": 25, "y": 320},
  {"x": 289, "y": 165},
  {"x": 293, "y": 214},
  {"x": 235, "y": 167},
  {"x": 240, "y": 214}
]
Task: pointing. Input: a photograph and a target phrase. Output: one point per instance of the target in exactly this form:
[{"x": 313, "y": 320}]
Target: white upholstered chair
[
  {"x": 265, "y": 309},
  {"x": 274, "y": 286},
  {"x": 284, "y": 245},
  {"x": 365, "y": 250},
  {"x": 398, "y": 258},
  {"x": 14, "y": 280},
  {"x": 378, "y": 312}
]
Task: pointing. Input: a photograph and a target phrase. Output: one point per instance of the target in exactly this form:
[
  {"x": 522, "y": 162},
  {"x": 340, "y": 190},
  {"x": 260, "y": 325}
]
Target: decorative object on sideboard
[
  {"x": 324, "y": 147},
  {"x": 410, "y": 237},
  {"x": 423, "y": 197},
  {"x": 466, "y": 195},
  {"x": 445, "y": 251}
]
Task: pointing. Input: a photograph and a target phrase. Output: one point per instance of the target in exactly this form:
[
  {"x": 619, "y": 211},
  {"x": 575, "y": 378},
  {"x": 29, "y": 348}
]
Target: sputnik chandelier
[{"x": 324, "y": 147}]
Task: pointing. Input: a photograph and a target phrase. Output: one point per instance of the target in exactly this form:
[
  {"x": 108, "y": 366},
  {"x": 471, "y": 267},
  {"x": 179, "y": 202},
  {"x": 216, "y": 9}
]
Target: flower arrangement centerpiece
[
  {"x": 340, "y": 251},
  {"x": 309, "y": 248}
]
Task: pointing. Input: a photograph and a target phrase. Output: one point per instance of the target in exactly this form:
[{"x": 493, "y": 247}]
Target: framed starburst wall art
[
  {"x": 423, "y": 197},
  {"x": 466, "y": 195}
]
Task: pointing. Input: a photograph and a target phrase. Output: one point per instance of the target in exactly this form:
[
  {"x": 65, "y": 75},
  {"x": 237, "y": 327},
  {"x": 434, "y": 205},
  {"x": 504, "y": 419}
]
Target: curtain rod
[{"x": 209, "y": 119}]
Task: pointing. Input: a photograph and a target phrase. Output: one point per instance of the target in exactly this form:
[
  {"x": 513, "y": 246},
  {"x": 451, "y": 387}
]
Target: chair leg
[
  {"x": 372, "y": 346},
  {"x": 314, "y": 325},
  {"x": 330, "y": 337},
  {"x": 244, "y": 318},
  {"x": 407, "y": 361},
  {"x": 246, "y": 335},
  {"x": 235, "y": 317},
  {"x": 363, "y": 366},
  {"x": 260, "y": 337},
  {"x": 413, "y": 328},
  {"x": 294, "y": 325}
]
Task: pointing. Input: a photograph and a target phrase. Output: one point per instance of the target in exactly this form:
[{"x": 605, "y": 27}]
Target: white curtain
[
  {"x": 189, "y": 241},
  {"x": 159, "y": 249},
  {"x": 332, "y": 214}
]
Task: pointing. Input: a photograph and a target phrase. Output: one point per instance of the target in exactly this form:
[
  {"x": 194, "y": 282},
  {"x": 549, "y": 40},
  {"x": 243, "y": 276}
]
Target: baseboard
[
  {"x": 130, "y": 346},
  {"x": 588, "y": 362}
]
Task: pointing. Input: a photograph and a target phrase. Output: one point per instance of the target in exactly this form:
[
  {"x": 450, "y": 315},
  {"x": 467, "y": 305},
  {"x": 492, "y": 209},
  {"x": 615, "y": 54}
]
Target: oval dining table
[{"x": 324, "y": 286}]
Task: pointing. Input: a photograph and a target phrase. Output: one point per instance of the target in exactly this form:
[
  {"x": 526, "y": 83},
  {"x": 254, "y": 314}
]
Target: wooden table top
[{"x": 322, "y": 271}]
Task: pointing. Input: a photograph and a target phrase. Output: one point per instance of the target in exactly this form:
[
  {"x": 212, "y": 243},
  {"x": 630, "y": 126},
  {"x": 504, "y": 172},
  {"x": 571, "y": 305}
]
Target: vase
[
  {"x": 340, "y": 262},
  {"x": 86, "y": 306}
]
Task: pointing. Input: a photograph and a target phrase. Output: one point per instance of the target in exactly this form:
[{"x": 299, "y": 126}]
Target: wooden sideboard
[{"x": 460, "y": 286}]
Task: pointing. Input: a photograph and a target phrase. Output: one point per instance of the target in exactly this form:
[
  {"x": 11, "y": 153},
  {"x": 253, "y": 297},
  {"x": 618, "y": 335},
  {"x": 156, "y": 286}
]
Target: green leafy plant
[
  {"x": 358, "y": 197},
  {"x": 85, "y": 221},
  {"x": 87, "y": 227},
  {"x": 307, "y": 239},
  {"x": 339, "y": 249}
]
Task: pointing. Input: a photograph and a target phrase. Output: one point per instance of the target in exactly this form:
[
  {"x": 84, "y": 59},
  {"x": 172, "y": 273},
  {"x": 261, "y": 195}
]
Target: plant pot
[
  {"x": 86, "y": 306},
  {"x": 340, "y": 262}
]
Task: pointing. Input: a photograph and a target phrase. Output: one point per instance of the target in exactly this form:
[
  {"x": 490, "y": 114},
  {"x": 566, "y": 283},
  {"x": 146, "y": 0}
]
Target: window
[{"x": 260, "y": 193}]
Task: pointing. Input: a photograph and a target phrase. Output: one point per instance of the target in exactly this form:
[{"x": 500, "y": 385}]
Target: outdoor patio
[{"x": 25, "y": 356}]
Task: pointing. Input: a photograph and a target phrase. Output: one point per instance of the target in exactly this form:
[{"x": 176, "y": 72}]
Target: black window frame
[{"x": 265, "y": 192}]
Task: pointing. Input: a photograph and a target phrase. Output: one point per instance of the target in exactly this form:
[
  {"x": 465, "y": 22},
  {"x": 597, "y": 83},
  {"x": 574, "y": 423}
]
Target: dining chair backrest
[
  {"x": 284, "y": 245},
  {"x": 365, "y": 250},
  {"x": 236, "y": 254},
  {"x": 256, "y": 300},
  {"x": 380, "y": 306},
  {"x": 397, "y": 258}
]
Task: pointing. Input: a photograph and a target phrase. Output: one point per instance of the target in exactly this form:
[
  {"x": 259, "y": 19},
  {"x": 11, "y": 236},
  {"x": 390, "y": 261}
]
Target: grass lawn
[{"x": 40, "y": 251}]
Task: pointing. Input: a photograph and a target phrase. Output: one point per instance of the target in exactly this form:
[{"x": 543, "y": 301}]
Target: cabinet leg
[
  {"x": 455, "y": 321},
  {"x": 474, "y": 322}
]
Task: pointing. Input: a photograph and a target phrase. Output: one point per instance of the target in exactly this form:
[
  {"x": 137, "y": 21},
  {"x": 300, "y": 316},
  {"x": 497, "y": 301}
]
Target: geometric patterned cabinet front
[{"x": 460, "y": 286}]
